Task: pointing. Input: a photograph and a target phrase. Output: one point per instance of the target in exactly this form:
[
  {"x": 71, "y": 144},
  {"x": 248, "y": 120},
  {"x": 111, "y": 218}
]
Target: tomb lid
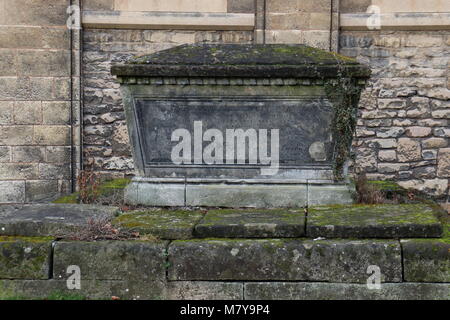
[{"x": 242, "y": 60}]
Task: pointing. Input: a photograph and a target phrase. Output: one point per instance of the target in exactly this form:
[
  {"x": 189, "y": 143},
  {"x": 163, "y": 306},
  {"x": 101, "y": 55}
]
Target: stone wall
[
  {"x": 105, "y": 133},
  {"x": 403, "y": 131},
  {"x": 35, "y": 100},
  {"x": 308, "y": 22}
]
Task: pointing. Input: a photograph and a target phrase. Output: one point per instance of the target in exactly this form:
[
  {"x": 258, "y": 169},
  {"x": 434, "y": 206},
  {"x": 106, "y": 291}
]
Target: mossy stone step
[
  {"x": 256, "y": 223},
  {"x": 41, "y": 220},
  {"x": 374, "y": 221},
  {"x": 164, "y": 224}
]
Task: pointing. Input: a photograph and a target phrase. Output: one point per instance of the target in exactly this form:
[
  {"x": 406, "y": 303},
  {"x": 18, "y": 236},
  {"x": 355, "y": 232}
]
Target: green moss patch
[
  {"x": 252, "y": 223},
  {"x": 379, "y": 221},
  {"x": 165, "y": 224}
]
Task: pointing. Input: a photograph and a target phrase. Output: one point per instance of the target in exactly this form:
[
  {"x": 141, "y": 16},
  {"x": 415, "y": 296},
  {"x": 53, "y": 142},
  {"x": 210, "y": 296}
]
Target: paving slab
[
  {"x": 258, "y": 223},
  {"x": 37, "y": 220},
  {"x": 164, "y": 224},
  {"x": 373, "y": 221}
]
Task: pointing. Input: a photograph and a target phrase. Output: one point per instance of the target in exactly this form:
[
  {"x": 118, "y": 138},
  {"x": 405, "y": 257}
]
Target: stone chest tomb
[{"x": 233, "y": 125}]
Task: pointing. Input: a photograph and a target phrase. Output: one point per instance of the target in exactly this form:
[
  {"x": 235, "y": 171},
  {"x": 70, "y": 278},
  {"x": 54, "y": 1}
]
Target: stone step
[
  {"x": 374, "y": 221},
  {"x": 345, "y": 221},
  {"x": 41, "y": 220},
  {"x": 258, "y": 223}
]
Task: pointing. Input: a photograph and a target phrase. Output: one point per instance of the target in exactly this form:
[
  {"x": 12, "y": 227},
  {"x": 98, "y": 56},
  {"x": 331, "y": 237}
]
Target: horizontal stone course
[
  {"x": 277, "y": 259},
  {"x": 345, "y": 291},
  {"x": 111, "y": 260}
]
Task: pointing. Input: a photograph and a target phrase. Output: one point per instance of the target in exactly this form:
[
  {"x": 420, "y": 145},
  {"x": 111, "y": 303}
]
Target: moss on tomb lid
[{"x": 242, "y": 60}]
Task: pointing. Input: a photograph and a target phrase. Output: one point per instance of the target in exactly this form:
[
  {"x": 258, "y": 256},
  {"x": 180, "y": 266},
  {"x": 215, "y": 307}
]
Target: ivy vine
[{"x": 344, "y": 94}]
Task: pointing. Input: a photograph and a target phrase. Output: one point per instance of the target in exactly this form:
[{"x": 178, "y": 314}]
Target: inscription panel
[{"x": 303, "y": 123}]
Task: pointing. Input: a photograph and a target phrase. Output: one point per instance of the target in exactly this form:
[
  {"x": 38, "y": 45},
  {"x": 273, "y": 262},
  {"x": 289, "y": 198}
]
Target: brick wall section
[
  {"x": 35, "y": 98},
  {"x": 105, "y": 133},
  {"x": 403, "y": 131}
]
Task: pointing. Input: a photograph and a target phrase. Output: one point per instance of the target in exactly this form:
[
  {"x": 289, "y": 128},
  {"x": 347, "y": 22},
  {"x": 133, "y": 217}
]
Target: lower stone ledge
[
  {"x": 345, "y": 291},
  {"x": 208, "y": 290}
]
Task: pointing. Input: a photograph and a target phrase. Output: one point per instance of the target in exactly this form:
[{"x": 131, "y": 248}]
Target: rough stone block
[
  {"x": 16, "y": 135},
  {"x": 408, "y": 150},
  {"x": 261, "y": 223},
  {"x": 52, "y": 135},
  {"x": 112, "y": 260},
  {"x": 42, "y": 13},
  {"x": 57, "y": 112},
  {"x": 33, "y": 63},
  {"x": 27, "y": 112},
  {"x": 258, "y": 196},
  {"x": 373, "y": 221},
  {"x": 5, "y": 154},
  {"x": 57, "y": 154},
  {"x": 54, "y": 171},
  {"x": 12, "y": 191},
  {"x": 426, "y": 260},
  {"x": 241, "y": 6},
  {"x": 329, "y": 194},
  {"x": 6, "y": 112},
  {"x": 16, "y": 171},
  {"x": 41, "y": 190},
  {"x": 345, "y": 291},
  {"x": 24, "y": 258},
  {"x": 28, "y": 154},
  {"x": 8, "y": 63},
  {"x": 443, "y": 166},
  {"x": 281, "y": 259},
  {"x": 48, "y": 219}
]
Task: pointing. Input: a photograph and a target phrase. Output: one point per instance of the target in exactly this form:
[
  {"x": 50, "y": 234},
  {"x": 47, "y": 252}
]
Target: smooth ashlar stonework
[{"x": 258, "y": 196}]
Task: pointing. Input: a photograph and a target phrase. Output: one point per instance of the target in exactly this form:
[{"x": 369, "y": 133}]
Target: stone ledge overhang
[
  {"x": 243, "y": 61},
  {"x": 168, "y": 20},
  {"x": 397, "y": 21}
]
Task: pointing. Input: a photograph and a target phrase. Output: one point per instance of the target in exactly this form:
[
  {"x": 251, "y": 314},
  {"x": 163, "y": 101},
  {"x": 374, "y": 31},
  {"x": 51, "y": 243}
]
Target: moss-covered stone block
[
  {"x": 374, "y": 221},
  {"x": 283, "y": 259},
  {"x": 111, "y": 260},
  {"x": 262, "y": 223},
  {"x": 427, "y": 260},
  {"x": 164, "y": 224},
  {"x": 25, "y": 258}
]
